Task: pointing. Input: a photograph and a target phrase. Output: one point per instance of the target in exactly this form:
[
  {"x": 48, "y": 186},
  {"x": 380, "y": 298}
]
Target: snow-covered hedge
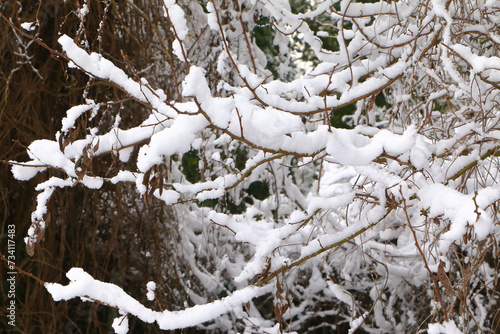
[{"x": 388, "y": 224}]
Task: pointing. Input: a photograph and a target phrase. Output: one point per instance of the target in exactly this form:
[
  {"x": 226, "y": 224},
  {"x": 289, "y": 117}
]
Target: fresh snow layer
[{"x": 84, "y": 286}]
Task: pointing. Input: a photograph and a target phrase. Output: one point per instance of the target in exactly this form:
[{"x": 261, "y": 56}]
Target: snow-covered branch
[{"x": 356, "y": 178}]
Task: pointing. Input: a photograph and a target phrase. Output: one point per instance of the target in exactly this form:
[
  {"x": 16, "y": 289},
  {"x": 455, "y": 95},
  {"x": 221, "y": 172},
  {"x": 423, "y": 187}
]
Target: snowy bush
[{"x": 337, "y": 160}]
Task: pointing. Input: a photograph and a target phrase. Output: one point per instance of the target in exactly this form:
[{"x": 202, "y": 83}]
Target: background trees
[{"x": 298, "y": 166}]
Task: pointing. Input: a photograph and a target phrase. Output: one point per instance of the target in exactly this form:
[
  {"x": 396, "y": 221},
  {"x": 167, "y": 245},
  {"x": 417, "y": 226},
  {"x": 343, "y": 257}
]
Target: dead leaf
[{"x": 444, "y": 279}]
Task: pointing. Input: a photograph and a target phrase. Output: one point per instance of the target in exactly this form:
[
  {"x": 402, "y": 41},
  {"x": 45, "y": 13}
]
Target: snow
[
  {"x": 448, "y": 327},
  {"x": 459, "y": 208},
  {"x": 84, "y": 10},
  {"x": 341, "y": 294},
  {"x": 85, "y": 287},
  {"x": 27, "y": 170},
  {"x": 92, "y": 182},
  {"x": 167, "y": 196},
  {"x": 41, "y": 208},
  {"x": 420, "y": 170},
  {"x": 355, "y": 323},
  {"x": 98, "y": 66},
  {"x": 195, "y": 84},
  {"x": 176, "y": 17},
  {"x": 73, "y": 113},
  {"x": 325, "y": 203},
  {"x": 120, "y": 325},
  {"x": 177, "y": 49},
  {"x": 175, "y": 139},
  {"x": 420, "y": 153},
  {"x": 125, "y": 153},
  {"x": 28, "y": 26},
  {"x": 350, "y": 148},
  {"x": 43, "y": 153},
  {"x": 151, "y": 286},
  {"x": 212, "y": 17},
  {"x": 210, "y": 194}
]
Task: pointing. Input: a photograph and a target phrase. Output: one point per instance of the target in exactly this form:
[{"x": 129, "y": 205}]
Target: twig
[
  {"x": 321, "y": 251},
  {"x": 434, "y": 277},
  {"x": 19, "y": 270}
]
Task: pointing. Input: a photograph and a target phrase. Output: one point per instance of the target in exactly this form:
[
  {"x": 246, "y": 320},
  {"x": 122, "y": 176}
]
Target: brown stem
[
  {"x": 19, "y": 270},
  {"x": 434, "y": 277}
]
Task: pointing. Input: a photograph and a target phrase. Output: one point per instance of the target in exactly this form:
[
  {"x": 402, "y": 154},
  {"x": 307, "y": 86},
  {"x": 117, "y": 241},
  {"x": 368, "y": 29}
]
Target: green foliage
[
  {"x": 209, "y": 203},
  {"x": 190, "y": 167},
  {"x": 233, "y": 207},
  {"x": 337, "y": 116},
  {"x": 380, "y": 100},
  {"x": 259, "y": 190},
  {"x": 241, "y": 157}
]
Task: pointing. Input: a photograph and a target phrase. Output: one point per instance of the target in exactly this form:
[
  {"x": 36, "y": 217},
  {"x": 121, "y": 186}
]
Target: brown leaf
[
  {"x": 284, "y": 308},
  {"x": 30, "y": 248},
  {"x": 279, "y": 290},
  {"x": 460, "y": 295},
  {"x": 444, "y": 279},
  {"x": 277, "y": 312},
  {"x": 145, "y": 180},
  {"x": 96, "y": 147},
  {"x": 467, "y": 270},
  {"x": 372, "y": 102},
  {"x": 160, "y": 184}
]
